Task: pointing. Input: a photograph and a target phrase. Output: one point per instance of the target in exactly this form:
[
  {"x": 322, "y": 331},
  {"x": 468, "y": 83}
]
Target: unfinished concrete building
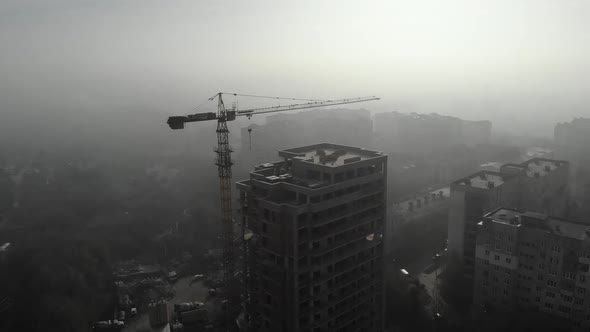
[{"x": 314, "y": 251}]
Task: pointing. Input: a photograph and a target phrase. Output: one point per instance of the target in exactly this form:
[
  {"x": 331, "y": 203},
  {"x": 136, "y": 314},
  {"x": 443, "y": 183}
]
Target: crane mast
[{"x": 224, "y": 163}]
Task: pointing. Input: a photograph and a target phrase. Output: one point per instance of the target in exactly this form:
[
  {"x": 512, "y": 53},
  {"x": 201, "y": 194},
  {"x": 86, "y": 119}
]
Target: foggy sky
[{"x": 519, "y": 62}]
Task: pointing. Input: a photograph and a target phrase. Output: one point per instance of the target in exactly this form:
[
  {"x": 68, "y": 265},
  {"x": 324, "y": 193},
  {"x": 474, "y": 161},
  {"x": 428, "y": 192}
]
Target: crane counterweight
[{"x": 177, "y": 122}]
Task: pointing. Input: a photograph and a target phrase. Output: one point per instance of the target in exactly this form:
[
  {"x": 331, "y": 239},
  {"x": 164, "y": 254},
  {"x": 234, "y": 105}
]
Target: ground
[
  {"x": 185, "y": 291},
  {"x": 427, "y": 272}
]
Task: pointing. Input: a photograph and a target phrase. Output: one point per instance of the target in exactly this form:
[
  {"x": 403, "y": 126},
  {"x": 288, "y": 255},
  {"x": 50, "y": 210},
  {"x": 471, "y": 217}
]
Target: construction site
[{"x": 305, "y": 253}]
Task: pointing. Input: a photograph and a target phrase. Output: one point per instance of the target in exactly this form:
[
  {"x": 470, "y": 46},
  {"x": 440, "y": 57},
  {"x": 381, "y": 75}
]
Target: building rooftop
[
  {"x": 482, "y": 180},
  {"x": 486, "y": 179},
  {"x": 538, "y": 167},
  {"x": 491, "y": 165},
  {"x": 329, "y": 154},
  {"x": 558, "y": 226}
]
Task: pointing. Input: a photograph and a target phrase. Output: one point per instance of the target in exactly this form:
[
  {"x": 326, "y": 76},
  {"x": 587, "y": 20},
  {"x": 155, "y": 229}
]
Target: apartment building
[
  {"x": 527, "y": 259},
  {"x": 314, "y": 240},
  {"x": 538, "y": 185}
]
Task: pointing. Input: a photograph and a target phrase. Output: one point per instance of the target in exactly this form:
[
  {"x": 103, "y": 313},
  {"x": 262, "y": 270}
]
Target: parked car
[{"x": 405, "y": 273}]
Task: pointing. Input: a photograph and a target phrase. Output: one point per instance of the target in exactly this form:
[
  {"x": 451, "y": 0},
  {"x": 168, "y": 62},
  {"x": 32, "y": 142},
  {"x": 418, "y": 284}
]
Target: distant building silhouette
[
  {"x": 419, "y": 134},
  {"x": 571, "y": 143},
  {"x": 573, "y": 134}
]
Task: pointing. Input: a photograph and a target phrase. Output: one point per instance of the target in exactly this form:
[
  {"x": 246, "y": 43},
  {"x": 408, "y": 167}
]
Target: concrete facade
[
  {"x": 537, "y": 184},
  {"x": 525, "y": 259},
  {"x": 314, "y": 251}
]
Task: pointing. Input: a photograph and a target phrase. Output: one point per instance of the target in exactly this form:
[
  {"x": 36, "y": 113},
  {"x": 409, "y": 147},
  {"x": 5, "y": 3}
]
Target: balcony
[
  {"x": 347, "y": 198},
  {"x": 350, "y": 223},
  {"x": 357, "y": 314},
  {"x": 345, "y": 240},
  {"x": 358, "y": 310},
  {"x": 361, "y": 276},
  {"x": 354, "y": 209},
  {"x": 347, "y": 267}
]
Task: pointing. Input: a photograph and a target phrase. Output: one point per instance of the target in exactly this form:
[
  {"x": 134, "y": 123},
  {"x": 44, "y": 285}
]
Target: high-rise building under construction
[{"x": 314, "y": 224}]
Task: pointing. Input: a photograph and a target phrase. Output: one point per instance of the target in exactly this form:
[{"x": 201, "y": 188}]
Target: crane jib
[
  {"x": 177, "y": 122},
  {"x": 315, "y": 104}
]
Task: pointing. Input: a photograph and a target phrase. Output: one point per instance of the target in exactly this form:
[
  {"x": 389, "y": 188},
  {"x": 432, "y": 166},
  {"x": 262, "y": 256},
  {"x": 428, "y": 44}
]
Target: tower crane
[{"x": 223, "y": 150}]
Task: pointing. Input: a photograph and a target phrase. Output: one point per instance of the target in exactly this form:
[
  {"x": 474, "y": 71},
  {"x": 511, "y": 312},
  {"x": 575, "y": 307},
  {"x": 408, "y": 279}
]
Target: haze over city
[
  {"x": 501, "y": 60},
  {"x": 313, "y": 166}
]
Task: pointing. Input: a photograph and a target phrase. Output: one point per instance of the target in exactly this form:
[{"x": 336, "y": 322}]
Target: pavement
[
  {"x": 426, "y": 271},
  {"x": 429, "y": 279}
]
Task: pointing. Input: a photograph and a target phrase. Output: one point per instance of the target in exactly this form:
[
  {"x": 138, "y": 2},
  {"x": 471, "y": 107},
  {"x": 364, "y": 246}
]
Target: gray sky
[{"x": 520, "y": 58}]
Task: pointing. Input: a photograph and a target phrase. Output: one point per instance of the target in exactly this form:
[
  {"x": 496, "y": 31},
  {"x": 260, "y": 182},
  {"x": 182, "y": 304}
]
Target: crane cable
[
  {"x": 201, "y": 104},
  {"x": 269, "y": 97},
  {"x": 254, "y": 96}
]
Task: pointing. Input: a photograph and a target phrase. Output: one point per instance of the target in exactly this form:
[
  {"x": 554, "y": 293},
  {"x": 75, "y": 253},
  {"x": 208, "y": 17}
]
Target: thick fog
[
  {"x": 506, "y": 61},
  {"x": 105, "y": 211}
]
